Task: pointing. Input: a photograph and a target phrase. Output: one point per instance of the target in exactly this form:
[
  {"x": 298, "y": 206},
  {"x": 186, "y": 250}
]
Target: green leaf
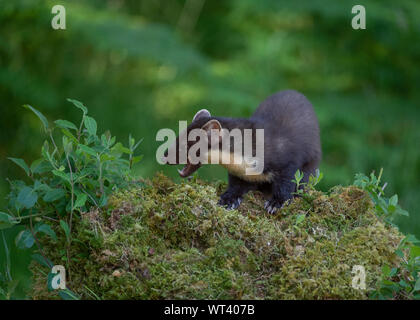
[
  {"x": 69, "y": 135},
  {"x": 403, "y": 284},
  {"x": 41, "y": 187},
  {"x": 41, "y": 166},
  {"x": 119, "y": 148},
  {"x": 62, "y": 175},
  {"x": 45, "y": 229},
  {"x": 80, "y": 201},
  {"x": 66, "y": 229},
  {"x": 42, "y": 261},
  {"x": 137, "y": 144},
  {"x": 137, "y": 159},
  {"x": 21, "y": 163},
  {"x": 300, "y": 218},
  {"x": 24, "y": 239},
  {"x": 27, "y": 197},
  {"x": 67, "y": 145},
  {"x": 68, "y": 295},
  {"x": 414, "y": 251},
  {"x": 393, "y": 272},
  {"x": 7, "y": 221},
  {"x": 64, "y": 124},
  {"x": 106, "y": 157},
  {"x": 417, "y": 285},
  {"x": 39, "y": 114},
  {"x": 103, "y": 201},
  {"x": 79, "y": 105},
  {"x": 402, "y": 212},
  {"x": 393, "y": 201},
  {"x": 50, "y": 278},
  {"x": 54, "y": 194},
  {"x": 131, "y": 141},
  {"x": 386, "y": 270},
  {"x": 411, "y": 238},
  {"x": 45, "y": 151},
  {"x": 91, "y": 125},
  {"x": 399, "y": 253},
  {"x": 87, "y": 150},
  {"x": 298, "y": 176},
  {"x": 389, "y": 283}
]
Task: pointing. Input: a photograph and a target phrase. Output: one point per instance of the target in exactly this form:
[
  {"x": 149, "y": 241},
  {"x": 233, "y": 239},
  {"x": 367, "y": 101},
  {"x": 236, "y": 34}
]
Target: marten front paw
[
  {"x": 272, "y": 205},
  {"x": 229, "y": 202}
]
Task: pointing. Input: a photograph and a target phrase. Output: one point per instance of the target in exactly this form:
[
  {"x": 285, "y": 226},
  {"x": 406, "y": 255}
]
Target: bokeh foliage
[{"x": 143, "y": 65}]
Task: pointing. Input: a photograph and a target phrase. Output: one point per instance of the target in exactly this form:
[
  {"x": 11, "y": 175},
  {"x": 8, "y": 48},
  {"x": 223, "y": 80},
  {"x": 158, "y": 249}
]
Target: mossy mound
[{"x": 172, "y": 241}]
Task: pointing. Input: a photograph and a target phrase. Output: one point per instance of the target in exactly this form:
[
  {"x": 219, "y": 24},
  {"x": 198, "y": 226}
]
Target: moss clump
[{"x": 172, "y": 241}]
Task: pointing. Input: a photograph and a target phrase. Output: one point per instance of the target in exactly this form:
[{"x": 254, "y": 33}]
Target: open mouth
[{"x": 188, "y": 170}]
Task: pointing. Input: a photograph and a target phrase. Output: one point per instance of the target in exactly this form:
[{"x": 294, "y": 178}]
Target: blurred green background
[{"x": 141, "y": 66}]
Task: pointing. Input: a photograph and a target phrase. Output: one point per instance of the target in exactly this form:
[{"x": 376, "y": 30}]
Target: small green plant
[
  {"x": 401, "y": 282},
  {"x": 302, "y": 188},
  {"x": 78, "y": 169},
  {"x": 313, "y": 180},
  {"x": 397, "y": 282},
  {"x": 387, "y": 208}
]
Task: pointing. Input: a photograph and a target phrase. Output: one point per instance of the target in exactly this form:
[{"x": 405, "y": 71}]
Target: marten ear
[
  {"x": 213, "y": 125},
  {"x": 203, "y": 113}
]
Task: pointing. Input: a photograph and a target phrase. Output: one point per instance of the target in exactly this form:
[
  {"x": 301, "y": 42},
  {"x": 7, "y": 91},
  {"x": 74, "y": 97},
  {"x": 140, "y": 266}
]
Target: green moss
[{"x": 172, "y": 241}]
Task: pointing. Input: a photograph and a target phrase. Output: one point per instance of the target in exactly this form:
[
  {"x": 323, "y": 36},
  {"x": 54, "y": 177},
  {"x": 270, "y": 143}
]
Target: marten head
[
  {"x": 238, "y": 147},
  {"x": 192, "y": 146}
]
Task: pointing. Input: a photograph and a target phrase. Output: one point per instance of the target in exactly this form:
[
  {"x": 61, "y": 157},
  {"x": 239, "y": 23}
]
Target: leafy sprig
[
  {"x": 70, "y": 177},
  {"x": 403, "y": 280}
]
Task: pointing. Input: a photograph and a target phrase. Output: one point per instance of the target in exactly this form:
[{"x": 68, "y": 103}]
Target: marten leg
[
  {"x": 232, "y": 197},
  {"x": 282, "y": 189}
]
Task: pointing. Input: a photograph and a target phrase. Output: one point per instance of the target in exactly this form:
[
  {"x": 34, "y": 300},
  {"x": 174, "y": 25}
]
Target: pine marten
[{"x": 291, "y": 142}]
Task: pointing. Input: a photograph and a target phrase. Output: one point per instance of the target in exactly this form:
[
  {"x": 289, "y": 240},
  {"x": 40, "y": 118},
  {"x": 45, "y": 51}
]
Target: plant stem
[
  {"x": 379, "y": 176},
  {"x": 53, "y": 141},
  {"x": 30, "y": 216},
  {"x": 101, "y": 183},
  {"x": 7, "y": 253},
  {"x": 80, "y": 128},
  {"x": 72, "y": 190},
  {"x": 71, "y": 215},
  {"x": 37, "y": 243}
]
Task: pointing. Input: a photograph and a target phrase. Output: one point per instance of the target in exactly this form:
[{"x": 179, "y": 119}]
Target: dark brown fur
[{"x": 291, "y": 143}]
